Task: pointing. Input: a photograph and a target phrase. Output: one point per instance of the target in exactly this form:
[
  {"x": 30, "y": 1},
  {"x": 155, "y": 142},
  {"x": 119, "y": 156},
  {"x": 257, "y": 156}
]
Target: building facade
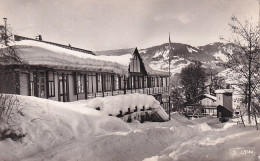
[{"x": 61, "y": 79}]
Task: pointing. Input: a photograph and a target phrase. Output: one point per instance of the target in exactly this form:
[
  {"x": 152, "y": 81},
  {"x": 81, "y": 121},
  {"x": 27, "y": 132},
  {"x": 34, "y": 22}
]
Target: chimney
[{"x": 40, "y": 37}]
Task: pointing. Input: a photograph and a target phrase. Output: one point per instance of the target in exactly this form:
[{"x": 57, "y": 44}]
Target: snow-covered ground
[{"x": 73, "y": 131}]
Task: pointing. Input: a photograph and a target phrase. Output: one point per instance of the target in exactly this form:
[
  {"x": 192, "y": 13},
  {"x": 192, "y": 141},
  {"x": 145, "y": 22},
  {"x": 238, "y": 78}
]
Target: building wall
[
  {"x": 8, "y": 82},
  {"x": 81, "y": 96},
  {"x": 227, "y": 100},
  {"x": 207, "y": 102},
  {"x": 219, "y": 99}
]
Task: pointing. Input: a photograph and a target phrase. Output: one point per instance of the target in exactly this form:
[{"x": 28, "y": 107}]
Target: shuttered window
[
  {"x": 80, "y": 83},
  {"x": 32, "y": 84}
]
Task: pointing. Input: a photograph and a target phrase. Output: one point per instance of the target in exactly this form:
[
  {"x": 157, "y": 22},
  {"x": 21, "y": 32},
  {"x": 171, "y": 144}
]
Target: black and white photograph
[{"x": 129, "y": 80}]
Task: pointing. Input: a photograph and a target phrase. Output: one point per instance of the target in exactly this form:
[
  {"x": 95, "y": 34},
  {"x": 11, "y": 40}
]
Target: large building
[{"x": 65, "y": 73}]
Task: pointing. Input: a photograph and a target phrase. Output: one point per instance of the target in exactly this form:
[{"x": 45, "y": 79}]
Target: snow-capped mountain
[
  {"x": 218, "y": 50},
  {"x": 211, "y": 55}
]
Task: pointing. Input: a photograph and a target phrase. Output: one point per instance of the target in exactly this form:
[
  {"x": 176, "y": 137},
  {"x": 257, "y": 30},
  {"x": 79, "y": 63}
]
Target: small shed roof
[
  {"x": 210, "y": 96},
  {"x": 224, "y": 91}
]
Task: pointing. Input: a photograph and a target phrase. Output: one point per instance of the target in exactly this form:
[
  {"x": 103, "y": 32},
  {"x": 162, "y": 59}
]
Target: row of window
[
  {"x": 104, "y": 83},
  {"x": 92, "y": 83},
  {"x": 98, "y": 83}
]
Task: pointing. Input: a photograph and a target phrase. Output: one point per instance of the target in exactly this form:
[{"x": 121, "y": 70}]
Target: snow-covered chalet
[
  {"x": 220, "y": 105},
  {"x": 65, "y": 73}
]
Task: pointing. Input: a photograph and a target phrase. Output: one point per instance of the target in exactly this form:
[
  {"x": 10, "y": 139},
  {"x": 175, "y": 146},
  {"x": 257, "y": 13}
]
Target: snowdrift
[
  {"x": 49, "y": 123},
  {"x": 112, "y": 105},
  {"x": 73, "y": 131}
]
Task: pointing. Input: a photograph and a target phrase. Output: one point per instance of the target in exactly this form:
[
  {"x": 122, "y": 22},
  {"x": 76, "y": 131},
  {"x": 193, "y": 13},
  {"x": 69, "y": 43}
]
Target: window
[
  {"x": 32, "y": 84},
  {"x": 129, "y": 83},
  {"x": 136, "y": 82},
  {"x": 51, "y": 85},
  {"x": 152, "y": 81},
  {"x": 99, "y": 80},
  {"x": 132, "y": 80},
  {"x": 80, "y": 83},
  {"x": 140, "y": 81},
  {"x": 91, "y": 83},
  {"x": 135, "y": 57},
  {"x": 107, "y": 82},
  {"x": 40, "y": 78},
  {"x": 148, "y": 82},
  {"x": 122, "y": 81},
  {"x": 145, "y": 81},
  {"x": 164, "y": 82},
  {"x": 159, "y": 82},
  {"x": 116, "y": 83},
  {"x": 155, "y": 81}
]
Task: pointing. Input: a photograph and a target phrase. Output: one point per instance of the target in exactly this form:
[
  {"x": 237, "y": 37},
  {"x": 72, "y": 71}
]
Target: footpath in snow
[{"x": 77, "y": 131}]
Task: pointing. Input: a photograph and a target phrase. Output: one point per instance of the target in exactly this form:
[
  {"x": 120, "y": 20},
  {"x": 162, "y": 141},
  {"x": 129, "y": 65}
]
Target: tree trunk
[
  {"x": 256, "y": 124},
  {"x": 242, "y": 120},
  {"x": 249, "y": 87}
]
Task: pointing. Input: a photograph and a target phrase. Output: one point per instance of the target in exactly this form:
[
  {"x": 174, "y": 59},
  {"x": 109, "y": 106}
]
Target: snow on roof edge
[
  {"x": 224, "y": 91},
  {"x": 210, "y": 96}
]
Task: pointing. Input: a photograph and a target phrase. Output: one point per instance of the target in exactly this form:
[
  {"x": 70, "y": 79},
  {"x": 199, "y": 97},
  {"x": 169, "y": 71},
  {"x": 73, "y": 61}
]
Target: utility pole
[
  {"x": 5, "y": 38},
  {"x": 170, "y": 49},
  {"x": 259, "y": 19}
]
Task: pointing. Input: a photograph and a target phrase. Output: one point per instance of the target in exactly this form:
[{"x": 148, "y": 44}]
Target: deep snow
[{"x": 71, "y": 131}]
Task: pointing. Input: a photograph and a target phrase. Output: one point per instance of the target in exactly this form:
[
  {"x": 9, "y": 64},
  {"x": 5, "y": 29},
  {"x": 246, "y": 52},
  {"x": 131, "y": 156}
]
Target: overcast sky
[{"x": 113, "y": 24}]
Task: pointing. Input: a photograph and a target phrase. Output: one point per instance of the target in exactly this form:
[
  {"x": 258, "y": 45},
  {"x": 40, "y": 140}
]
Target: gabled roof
[{"x": 132, "y": 51}]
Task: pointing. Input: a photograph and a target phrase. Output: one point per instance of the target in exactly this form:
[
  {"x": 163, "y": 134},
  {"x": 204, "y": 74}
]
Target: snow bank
[
  {"x": 49, "y": 123},
  {"x": 246, "y": 122},
  {"x": 112, "y": 105},
  {"x": 73, "y": 131}
]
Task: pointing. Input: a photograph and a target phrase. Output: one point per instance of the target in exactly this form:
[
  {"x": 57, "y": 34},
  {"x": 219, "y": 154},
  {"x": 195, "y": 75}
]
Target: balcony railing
[{"x": 149, "y": 91}]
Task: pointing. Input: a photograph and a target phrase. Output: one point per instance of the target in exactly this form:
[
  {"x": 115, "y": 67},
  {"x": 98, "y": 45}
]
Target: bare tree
[
  {"x": 245, "y": 58},
  {"x": 8, "y": 53},
  {"x": 9, "y": 103},
  {"x": 216, "y": 82}
]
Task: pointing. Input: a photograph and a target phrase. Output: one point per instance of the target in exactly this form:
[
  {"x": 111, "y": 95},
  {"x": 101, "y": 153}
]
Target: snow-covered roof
[
  {"x": 44, "y": 54},
  {"x": 121, "y": 52},
  {"x": 116, "y": 52},
  {"x": 224, "y": 91},
  {"x": 210, "y": 96},
  {"x": 53, "y": 55}
]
